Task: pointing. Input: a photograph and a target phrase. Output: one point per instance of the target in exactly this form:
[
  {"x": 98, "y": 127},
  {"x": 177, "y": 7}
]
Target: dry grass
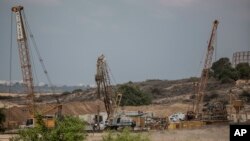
[{"x": 211, "y": 133}]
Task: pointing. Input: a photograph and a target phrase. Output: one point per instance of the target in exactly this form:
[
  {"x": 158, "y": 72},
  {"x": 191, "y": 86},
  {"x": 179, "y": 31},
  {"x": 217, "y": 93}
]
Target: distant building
[{"x": 241, "y": 57}]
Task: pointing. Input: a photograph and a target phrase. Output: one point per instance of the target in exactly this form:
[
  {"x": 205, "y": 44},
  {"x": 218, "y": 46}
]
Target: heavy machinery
[
  {"x": 214, "y": 110},
  {"x": 25, "y": 61},
  {"x": 110, "y": 98}
]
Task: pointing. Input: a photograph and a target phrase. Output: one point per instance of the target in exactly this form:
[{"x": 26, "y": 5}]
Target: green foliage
[
  {"x": 223, "y": 71},
  {"x": 244, "y": 70},
  {"x": 221, "y": 64},
  {"x": 132, "y": 95},
  {"x": 125, "y": 135},
  {"x": 2, "y": 119},
  {"x": 68, "y": 129}
]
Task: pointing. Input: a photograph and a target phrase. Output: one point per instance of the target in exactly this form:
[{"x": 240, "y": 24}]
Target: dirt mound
[
  {"x": 80, "y": 108},
  {"x": 20, "y": 114}
]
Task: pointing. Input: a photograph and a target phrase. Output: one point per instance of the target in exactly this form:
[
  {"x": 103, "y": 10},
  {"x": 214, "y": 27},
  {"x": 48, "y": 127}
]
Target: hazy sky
[{"x": 141, "y": 39}]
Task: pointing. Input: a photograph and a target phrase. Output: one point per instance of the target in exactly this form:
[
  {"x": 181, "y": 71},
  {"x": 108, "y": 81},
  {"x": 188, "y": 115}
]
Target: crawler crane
[
  {"x": 214, "y": 111},
  {"x": 110, "y": 97},
  {"x": 25, "y": 62}
]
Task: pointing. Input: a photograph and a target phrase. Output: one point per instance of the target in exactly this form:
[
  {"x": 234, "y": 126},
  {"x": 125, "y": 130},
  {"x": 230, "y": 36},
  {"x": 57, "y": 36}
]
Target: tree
[
  {"x": 223, "y": 71},
  {"x": 132, "y": 95},
  {"x": 68, "y": 129},
  {"x": 243, "y": 70}
]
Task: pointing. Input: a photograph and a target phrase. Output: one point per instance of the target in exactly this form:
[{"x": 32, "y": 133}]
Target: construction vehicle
[
  {"x": 25, "y": 61},
  {"x": 212, "y": 111},
  {"x": 110, "y": 98}
]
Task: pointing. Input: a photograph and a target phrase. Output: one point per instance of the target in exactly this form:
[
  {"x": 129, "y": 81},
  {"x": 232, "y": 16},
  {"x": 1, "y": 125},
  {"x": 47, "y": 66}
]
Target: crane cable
[
  {"x": 10, "y": 67},
  {"x": 10, "y": 59},
  {"x": 113, "y": 78},
  {"x": 51, "y": 86},
  {"x": 32, "y": 58},
  {"x": 39, "y": 55}
]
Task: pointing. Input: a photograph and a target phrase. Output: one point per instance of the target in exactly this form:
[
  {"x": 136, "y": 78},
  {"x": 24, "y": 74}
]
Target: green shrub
[
  {"x": 132, "y": 95},
  {"x": 244, "y": 70},
  {"x": 68, "y": 129},
  {"x": 223, "y": 71},
  {"x": 125, "y": 135}
]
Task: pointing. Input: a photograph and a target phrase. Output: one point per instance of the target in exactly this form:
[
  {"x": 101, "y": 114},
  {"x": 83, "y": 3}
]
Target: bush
[
  {"x": 223, "y": 71},
  {"x": 68, "y": 129},
  {"x": 243, "y": 70},
  {"x": 132, "y": 95},
  {"x": 125, "y": 135}
]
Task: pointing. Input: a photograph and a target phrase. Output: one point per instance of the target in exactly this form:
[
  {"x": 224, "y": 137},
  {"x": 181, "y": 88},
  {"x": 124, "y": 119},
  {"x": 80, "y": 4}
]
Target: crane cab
[{"x": 49, "y": 121}]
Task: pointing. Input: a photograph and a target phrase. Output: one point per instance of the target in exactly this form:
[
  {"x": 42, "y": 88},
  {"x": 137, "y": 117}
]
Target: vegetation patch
[
  {"x": 125, "y": 135},
  {"x": 133, "y": 96},
  {"x": 67, "y": 129}
]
